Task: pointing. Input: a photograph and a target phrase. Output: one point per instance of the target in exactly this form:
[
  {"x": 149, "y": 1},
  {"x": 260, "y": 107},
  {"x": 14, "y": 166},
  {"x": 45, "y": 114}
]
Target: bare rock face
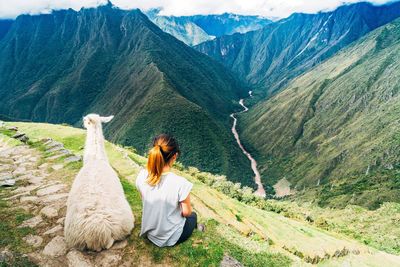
[
  {"x": 78, "y": 259},
  {"x": 56, "y": 247},
  {"x": 229, "y": 261}
]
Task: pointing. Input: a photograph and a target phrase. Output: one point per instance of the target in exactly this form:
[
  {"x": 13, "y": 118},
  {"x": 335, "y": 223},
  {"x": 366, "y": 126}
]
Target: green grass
[
  {"x": 257, "y": 234},
  {"x": 10, "y": 235}
]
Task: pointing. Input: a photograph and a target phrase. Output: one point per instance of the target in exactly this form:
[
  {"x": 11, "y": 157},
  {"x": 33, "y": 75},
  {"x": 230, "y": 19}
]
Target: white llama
[{"x": 97, "y": 210}]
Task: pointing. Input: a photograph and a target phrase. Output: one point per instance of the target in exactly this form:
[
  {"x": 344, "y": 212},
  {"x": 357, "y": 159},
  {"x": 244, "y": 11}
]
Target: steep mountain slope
[
  {"x": 227, "y": 23},
  {"x": 182, "y": 28},
  {"x": 5, "y": 25},
  {"x": 58, "y": 67},
  {"x": 269, "y": 58},
  {"x": 335, "y": 129},
  {"x": 194, "y": 30}
]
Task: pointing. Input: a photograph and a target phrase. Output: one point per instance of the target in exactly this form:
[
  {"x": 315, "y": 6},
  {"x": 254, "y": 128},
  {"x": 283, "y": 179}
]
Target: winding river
[{"x": 257, "y": 178}]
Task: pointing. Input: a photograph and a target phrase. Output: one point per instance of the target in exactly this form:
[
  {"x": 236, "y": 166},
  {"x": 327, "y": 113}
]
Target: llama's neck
[{"x": 94, "y": 146}]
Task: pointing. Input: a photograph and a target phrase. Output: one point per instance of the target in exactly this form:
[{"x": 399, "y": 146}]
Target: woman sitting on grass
[{"x": 167, "y": 217}]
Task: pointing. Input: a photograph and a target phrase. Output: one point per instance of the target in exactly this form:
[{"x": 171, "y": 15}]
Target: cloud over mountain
[{"x": 271, "y": 8}]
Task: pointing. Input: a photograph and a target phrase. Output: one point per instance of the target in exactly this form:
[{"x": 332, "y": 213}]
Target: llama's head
[{"x": 92, "y": 120}]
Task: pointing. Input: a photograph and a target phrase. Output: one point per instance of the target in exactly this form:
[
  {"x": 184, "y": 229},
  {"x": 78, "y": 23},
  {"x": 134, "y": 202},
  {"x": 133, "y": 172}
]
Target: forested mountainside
[
  {"x": 335, "y": 130},
  {"x": 5, "y": 25},
  {"x": 58, "y": 67},
  {"x": 194, "y": 30},
  {"x": 269, "y": 58}
]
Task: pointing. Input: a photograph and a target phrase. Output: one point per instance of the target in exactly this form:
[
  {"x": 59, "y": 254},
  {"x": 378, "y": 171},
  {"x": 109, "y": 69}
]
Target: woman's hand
[{"x": 186, "y": 207}]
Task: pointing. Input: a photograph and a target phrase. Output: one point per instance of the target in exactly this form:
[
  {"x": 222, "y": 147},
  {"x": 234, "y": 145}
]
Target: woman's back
[{"x": 162, "y": 220}]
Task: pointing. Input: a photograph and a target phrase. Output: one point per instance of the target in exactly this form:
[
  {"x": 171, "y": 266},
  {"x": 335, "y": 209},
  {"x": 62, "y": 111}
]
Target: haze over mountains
[
  {"x": 269, "y": 58},
  {"x": 58, "y": 67},
  {"x": 196, "y": 29}
]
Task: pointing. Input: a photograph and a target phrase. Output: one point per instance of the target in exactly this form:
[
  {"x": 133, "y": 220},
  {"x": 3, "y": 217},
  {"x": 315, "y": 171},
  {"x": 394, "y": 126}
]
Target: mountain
[
  {"x": 334, "y": 130},
  {"x": 5, "y": 25},
  {"x": 227, "y": 23},
  {"x": 194, "y": 30},
  {"x": 58, "y": 67},
  {"x": 182, "y": 28},
  {"x": 269, "y": 58}
]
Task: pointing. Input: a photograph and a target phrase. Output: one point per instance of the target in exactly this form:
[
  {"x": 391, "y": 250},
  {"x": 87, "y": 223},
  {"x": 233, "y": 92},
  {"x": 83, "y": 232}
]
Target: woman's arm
[{"x": 186, "y": 207}]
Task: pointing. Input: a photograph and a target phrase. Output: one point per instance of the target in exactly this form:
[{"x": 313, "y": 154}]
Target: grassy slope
[
  {"x": 336, "y": 128},
  {"x": 233, "y": 227}
]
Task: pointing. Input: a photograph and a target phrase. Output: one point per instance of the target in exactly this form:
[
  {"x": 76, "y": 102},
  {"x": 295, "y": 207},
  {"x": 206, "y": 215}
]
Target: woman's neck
[{"x": 166, "y": 169}]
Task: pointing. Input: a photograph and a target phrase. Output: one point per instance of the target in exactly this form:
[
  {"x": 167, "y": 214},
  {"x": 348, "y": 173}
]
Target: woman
[{"x": 167, "y": 217}]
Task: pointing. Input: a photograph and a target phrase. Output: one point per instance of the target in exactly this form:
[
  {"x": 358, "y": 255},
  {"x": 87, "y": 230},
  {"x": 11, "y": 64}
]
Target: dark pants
[{"x": 190, "y": 225}]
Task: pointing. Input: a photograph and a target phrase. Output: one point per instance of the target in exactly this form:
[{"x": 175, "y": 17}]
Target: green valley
[{"x": 333, "y": 133}]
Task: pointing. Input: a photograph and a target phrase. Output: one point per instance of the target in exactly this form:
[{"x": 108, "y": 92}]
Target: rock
[
  {"x": 50, "y": 190},
  {"x": 56, "y": 247},
  {"x": 17, "y": 135},
  {"x": 73, "y": 158},
  {"x": 120, "y": 244},
  {"x": 6, "y": 256},
  {"x": 33, "y": 240},
  {"x": 21, "y": 136},
  {"x": 12, "y": 128},
  {"x": 23, "y": 139},
  {"x": 53, "y": 143},
  {"x": 107, "y": 258},
  {"x": 49, "y": 212},
  {"x": 55, "y": 149},
  {"x": 33, "y": 159},
  {"x": 17, "y": 196},
  {"x": 54, "y": 230},
  {"x": 28, "y": 199},
  {"x": 2, "y": 124},
  {"x": 44, "y": 166},
  {"x": 19, "y": 171},
  {"x": 228, "y": 261},
  {"x": 32, "y": 222},
  {"x": 56, "y": 157},
  {"x": 61, "y": 220},
  {"x": 53, "y": 198},
  {"x": 23, "y": 189},
  {"x": 9, "y": 182},
  {"x": 78, "y": 259},
  {"x": 57, "y": 167}
]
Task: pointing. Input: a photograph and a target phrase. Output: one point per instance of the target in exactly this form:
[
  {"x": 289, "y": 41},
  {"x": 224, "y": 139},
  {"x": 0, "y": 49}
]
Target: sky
[{"x": 267, "y": 8}]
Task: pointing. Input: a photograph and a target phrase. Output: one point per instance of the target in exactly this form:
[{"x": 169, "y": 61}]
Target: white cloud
[{"x": 272, "y": 8}]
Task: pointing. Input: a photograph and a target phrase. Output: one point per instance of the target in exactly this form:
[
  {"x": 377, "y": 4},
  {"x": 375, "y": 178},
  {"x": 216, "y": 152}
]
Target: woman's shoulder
[
  {"x": 177, "y": 179},
  {"x": 142, "y": 176}
]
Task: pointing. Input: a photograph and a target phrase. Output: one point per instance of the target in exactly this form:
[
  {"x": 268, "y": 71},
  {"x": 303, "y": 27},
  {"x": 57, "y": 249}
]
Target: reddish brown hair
[{"x": 164, "y": 148}]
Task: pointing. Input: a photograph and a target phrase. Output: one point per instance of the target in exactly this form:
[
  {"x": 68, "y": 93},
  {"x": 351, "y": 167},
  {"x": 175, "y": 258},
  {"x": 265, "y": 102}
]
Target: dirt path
[{"x": 257, "y": 177}]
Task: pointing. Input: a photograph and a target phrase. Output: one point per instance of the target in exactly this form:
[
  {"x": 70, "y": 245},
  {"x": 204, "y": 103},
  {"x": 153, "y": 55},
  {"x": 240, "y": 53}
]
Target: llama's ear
[{"x": 106, "y": 119}]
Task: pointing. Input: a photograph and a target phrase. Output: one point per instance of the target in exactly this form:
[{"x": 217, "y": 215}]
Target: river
[{"x": 257, "y": 177}]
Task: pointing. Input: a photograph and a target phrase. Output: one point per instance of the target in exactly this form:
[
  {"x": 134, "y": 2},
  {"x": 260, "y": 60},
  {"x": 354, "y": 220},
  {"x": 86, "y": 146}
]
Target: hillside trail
[
  {"x": 257, "y": 177},
  {"x": 39, "y": 190}
]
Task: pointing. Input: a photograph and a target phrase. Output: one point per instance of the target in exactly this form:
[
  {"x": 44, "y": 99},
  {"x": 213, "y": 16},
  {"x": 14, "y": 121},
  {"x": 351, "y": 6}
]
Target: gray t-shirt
[{"x": 161, "y": 219}]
